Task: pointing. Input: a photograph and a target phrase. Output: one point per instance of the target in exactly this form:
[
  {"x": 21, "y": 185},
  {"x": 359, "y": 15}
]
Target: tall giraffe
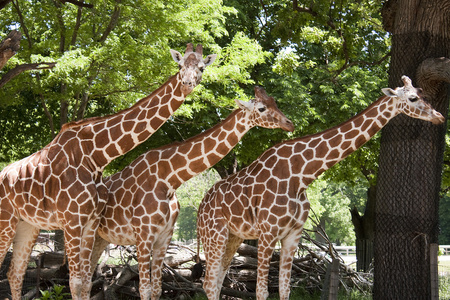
[
  {"x": 61, "y": 187},
  {"x": 267, "y": 200},
  {"x": 142, "y": 206}
]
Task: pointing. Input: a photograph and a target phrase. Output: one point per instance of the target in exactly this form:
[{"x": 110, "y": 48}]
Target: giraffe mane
[
  {"x": 340, "y": 124},
  {"x": 94, "y": 120},
  {"x": 203, "y": 133}
]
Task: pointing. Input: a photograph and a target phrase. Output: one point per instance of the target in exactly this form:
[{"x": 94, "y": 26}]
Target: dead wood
[{"x": 119, "y": 281}]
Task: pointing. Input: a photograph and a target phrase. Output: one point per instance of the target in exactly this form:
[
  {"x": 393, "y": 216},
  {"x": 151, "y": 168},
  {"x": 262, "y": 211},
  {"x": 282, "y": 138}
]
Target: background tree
[
  {"x": 190, "y": 194},
  {"x": 411, "y": 154},
  {"x": 330, "y": 202}
]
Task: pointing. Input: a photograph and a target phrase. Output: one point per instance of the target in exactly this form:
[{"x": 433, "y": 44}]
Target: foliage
[
  {"x": 107, "y": 57},
  {"x": 444, "y": 287},
  {"x": 331, "y": 203},
  {"x": 190, "y": 194},
  {"x": 55, "y": 293}
]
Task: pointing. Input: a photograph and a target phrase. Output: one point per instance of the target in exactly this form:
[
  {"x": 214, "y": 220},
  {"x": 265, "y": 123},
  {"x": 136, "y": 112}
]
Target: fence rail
[{"x": 444, "y": 249}]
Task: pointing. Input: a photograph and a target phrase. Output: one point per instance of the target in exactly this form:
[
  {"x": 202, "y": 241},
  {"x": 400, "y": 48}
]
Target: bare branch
[
  {"x": 22, "y": 68},
  {"x": 9, "y": 46}
]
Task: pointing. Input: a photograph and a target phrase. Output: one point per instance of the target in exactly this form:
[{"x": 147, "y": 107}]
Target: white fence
[{"x": 46, "y": 238}]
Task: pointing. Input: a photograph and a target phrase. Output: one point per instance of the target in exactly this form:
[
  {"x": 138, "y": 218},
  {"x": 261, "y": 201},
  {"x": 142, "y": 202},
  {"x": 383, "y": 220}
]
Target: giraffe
[
  {"x": 267, "y": 199},
  {"x": 61, "y": 187},
  {"x": 142, "y": 207}
]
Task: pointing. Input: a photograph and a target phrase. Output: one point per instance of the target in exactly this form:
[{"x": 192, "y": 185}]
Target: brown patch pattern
[{"x": 267, "y": 199}]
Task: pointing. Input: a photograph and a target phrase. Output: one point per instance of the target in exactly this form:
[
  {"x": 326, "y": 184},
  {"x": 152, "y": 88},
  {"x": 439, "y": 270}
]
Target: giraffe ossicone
[
  {"x": 61, "y": 187},
  {"x": 142, "y": 206},
  {"x": 267, "y": 199}
]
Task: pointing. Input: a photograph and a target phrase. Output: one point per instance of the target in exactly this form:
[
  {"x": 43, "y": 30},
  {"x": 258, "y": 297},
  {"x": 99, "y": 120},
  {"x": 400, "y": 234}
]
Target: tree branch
[
  {"x": 303, "y": 9},
  {"x": 22, "y": 23},
  {"x": 22, "y": 68},
  {"x": 46, "y": 111},
  {"x": 359, "y": 62},
  {"x": 77, "y": 26},
  {"x": 78, "y": 3},
  {"x": 9, "y": 46},
  {"x": 112, "y": 22},
  {"x": 431, "y": 74}
]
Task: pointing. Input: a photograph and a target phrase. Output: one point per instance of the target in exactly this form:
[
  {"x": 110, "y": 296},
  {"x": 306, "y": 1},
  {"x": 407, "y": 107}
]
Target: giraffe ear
[
  {"x": 389, "y": 92},
  {"x": 177, "y": 57},
  {"x": 209, "y": 59},
  {"x": 244, "y": 105}
]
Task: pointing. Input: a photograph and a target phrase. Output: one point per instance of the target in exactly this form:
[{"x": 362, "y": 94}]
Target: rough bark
[
  {"x": 9, "y": 46},
  {"x": 409, "y": 177}
]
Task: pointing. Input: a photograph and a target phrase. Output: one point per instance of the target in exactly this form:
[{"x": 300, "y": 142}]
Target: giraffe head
[
  {"x": 264, "y": 111},
  {"x": 411, "y": 103},
  {"x": 191, "y": 66}
]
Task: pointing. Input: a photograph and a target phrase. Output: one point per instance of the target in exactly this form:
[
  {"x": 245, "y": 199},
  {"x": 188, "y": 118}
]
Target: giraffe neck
[
  {"x": 312, "y": 155},
  {"x": 106, "y": 138},
  {"x": 180, "y": 161}
]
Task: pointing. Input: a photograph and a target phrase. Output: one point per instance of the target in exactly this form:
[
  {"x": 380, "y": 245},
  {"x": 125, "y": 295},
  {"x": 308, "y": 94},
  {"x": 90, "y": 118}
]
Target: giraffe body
[
  {"x": 142, "y": 207},
  {"x": 61, "y": 186},
  {"x": 267, "y": 199}
]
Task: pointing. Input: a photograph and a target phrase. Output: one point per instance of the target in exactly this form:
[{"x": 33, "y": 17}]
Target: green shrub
[{"x": 55, "y": 293}]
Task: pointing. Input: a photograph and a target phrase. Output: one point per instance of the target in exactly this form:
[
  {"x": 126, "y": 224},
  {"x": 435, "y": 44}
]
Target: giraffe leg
[
  {"x": 144, "y": 250},
  {"x": 159, "y": 251},
  {"x": 288, "y": 247},
  {"x": 214, "y": 247},
  {"x": 266, "y": 246},
  {"x": 72, "y": 244},
  {"x": 89, "y": 233},
  {"x": 23, "y": 243},
  {"x": 79, "y": 241},
  {"x": 87, "y": 244},
  {"x": 232, "y": 244},
  {"x": 8, "y": 223},
  {"x": 99, "y": 246}
]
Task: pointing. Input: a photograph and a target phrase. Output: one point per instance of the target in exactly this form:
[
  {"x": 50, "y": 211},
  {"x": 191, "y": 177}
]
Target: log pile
[{"x": 183, "y": 278}]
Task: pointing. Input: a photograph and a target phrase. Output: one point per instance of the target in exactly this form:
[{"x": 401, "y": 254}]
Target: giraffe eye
[
  {"x": 413, "y": 99},
  {"x": 201, "y": 69},
  {"x": 262, "y": 109}
]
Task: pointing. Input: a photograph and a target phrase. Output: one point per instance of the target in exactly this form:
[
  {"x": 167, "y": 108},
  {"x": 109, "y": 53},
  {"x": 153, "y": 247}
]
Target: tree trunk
[
  {"x": 409, "y": 176},
  {"x": 59, "y": 240},
  {"x": 364, "y": 231}
]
